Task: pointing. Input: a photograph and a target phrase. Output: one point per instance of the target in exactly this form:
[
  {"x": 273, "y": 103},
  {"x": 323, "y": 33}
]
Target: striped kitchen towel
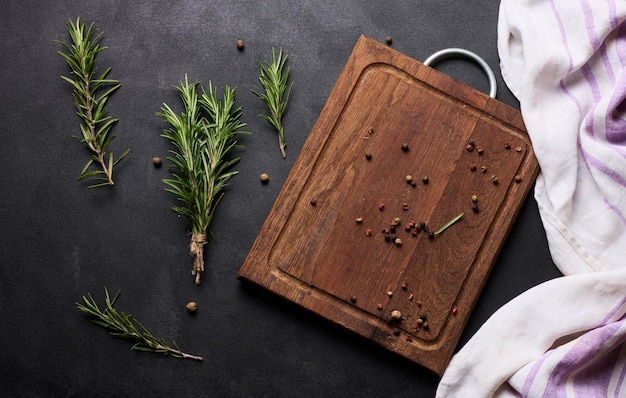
[{"x": 565, "y": 62}]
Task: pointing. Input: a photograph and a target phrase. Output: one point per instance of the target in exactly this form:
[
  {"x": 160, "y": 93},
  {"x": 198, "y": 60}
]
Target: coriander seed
[
  {"x": 264, "y": 178},
  {"x": 396, "y": 315},
  {"x": 240, "y": 45}
]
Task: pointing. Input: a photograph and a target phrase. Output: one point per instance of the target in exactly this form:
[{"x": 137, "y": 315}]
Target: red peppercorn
[
  {"x": 455, "y": 310},
  {"x": 381, "y": 206}
]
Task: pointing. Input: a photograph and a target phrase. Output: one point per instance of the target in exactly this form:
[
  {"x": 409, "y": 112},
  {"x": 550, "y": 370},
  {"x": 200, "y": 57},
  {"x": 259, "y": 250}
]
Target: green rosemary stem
[
  {"x": 91, "y": 93},
  {"x": 125, "y": 326},
  {"x": 203, "y": 136},
  {"x": 273, "y": 78}
]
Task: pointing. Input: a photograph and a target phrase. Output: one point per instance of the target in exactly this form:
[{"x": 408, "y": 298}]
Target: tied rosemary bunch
[
  {"x": 273, "y": 77},
  {"x": 125, "y": 326},
  {"x": 203, "y": 136},
  {"x": 91, "y": 93}
]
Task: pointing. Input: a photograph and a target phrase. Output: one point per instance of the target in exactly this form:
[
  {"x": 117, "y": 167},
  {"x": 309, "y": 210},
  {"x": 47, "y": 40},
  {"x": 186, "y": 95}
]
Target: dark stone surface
[{"x": 61, "y": 240}]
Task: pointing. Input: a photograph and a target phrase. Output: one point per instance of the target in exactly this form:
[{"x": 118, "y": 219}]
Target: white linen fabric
[{"x": 565, "y": 62}]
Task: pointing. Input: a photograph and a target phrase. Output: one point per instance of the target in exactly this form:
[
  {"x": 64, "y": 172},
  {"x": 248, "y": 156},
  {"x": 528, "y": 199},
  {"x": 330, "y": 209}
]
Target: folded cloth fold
[{"x": 564, "y": 60}]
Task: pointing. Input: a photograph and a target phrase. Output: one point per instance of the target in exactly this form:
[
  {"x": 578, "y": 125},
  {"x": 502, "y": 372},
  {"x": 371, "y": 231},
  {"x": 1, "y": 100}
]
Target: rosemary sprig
[
  {"x": 91, "y": 93},
  {"x": 202, "y": 135},
  {"x": 125, "y": 326},
  {"x": 449, "y": 223},
  {"x": 276, "y": 95}
]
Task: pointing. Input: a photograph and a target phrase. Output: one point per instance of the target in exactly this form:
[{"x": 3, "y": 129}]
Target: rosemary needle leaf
[
  {"x": 449, "y": 223},
  {"x": 90, "y": 96},
  {"x": 124, "y": 326},
  {"x": 273, "y": 77}
]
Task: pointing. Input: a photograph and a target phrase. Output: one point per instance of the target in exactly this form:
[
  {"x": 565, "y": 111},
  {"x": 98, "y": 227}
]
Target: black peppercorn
[
  {"x": 425, "y": 180},
  {"x": 405, "y": 147}
]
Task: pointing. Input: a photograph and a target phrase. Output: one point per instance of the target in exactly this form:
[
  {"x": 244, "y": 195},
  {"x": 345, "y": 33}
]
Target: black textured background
[{"x": 61, "y": 240}]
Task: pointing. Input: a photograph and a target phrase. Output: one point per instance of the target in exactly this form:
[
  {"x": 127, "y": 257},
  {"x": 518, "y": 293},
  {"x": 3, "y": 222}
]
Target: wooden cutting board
[{"x": 397, "y": 142}]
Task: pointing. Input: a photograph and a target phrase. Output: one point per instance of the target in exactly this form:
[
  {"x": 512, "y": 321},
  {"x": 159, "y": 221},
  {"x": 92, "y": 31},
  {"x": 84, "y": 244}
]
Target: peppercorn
[
  {"x": 265, "y": 178},
  {"x": 518, "y": 178},
  {"x": 475, "y": 208},
  {"x": 425, "y": 180},
  {"x": 368, "y": 156},
  {"x": 408, "y": 338},
  {"x": 392, "y": 229},
  {"x": 421, "y": 225},
  {"x": 379, "y": 307},
  {"x": 425, "y": 325},
  {"x": 396, "y": 332},
  {"x": 156, "y": 161},
  {"x": 368, "y": 232},
  {"x": 359, "y": 220},
  {"x": 455, "y": 310},
  {"x": 370, "y": 130},
  {"x": 518, "y": 149},
  {"x": 397, "y": 220},
  {"x": 473, "y": 167},
  {"x": 494, "y": 179},
  {"x": 353, "y": 299},
  {"x": 408, "y": 178},
  {"x": 469, "y": 148},
  {"x": 403, "y": 285},
  {"x": 387, "y": 238},
  {"x": 507, "y": 145},
  {"x": 474, "y": 198},
  {"x": 240, "y": 45},
  {"x": 479, "y": 149},
  {"x": 405, "y": 206},
  {"x": 483, "y": 168},
  {"x": 389, "y": 40},
  {"x": 405, "y": 147},
  {"x": 313, "y": 202},
  {"x": 389, "y": 293},
  {"x": 192, "y": 307},
  {"x": 413, "y": 184},
  {"x": 396, "y": 315},
  {"x": 419, "y": 322},
  {"x": 431, "y": 235},
  {"x": 381, "y": 206},
  {"x": 398, "y": 242}
]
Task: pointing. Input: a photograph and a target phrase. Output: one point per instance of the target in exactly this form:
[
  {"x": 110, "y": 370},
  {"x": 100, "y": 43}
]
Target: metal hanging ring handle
[{"x": 451, "y": 52}]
